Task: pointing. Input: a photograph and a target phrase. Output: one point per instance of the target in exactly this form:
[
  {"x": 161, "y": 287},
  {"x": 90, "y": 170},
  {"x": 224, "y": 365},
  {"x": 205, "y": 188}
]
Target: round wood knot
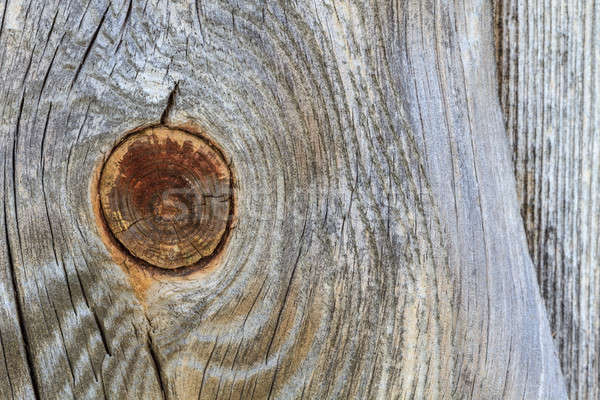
[{"x": 166, "y": 196}]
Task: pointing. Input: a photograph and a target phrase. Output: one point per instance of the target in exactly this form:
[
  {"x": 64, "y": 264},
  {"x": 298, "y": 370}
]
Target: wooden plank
[
  {"x": 549, "y": 85},
  {"x": 377, "y": 250}
]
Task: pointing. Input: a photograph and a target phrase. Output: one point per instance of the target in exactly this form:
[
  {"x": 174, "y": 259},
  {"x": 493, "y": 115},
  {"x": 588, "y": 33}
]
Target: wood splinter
[{"x": 166, "y": 197}]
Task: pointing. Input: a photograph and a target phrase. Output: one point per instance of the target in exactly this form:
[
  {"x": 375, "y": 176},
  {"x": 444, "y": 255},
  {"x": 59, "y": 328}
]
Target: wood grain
[
  {"x": 547, "y": 58},
  {"x": 378, "y": 250}
]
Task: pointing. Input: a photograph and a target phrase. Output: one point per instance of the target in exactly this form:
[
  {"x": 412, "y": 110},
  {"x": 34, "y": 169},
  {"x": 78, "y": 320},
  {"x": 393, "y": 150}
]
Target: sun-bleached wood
[
  {"x": 550, "y": 91},
  {"x": 377, "y": 250}
]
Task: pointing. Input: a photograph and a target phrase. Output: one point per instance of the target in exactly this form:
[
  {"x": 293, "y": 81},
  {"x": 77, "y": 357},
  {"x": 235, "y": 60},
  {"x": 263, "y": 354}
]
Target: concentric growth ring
[{"x": 166, "y": 196}]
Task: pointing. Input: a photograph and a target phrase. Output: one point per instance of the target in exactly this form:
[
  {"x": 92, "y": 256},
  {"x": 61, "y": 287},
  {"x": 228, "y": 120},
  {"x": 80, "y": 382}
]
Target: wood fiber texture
[
  {"x": 377, "y": 252},
  {"x": 548, "y": 54}
]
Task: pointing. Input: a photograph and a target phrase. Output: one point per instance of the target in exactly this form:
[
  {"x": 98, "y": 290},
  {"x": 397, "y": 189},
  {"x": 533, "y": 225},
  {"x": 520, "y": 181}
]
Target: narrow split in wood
[{"x": 166, "y": 197}]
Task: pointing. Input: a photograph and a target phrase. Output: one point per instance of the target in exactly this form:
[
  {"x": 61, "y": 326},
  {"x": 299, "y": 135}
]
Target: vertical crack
[
  {"x": 155, "y": 360},
  {"x": 11, "y": 262},
  {"x": 170, "y": 101}
]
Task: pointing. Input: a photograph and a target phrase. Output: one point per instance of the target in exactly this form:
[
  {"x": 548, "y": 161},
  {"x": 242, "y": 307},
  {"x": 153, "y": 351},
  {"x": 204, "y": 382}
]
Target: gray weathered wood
[
  {"x": 550, "y": 84},
  {"x": 378, "y": 250}
]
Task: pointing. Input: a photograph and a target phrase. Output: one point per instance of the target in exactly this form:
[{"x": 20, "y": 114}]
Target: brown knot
[{"x": 166, "y": 197}]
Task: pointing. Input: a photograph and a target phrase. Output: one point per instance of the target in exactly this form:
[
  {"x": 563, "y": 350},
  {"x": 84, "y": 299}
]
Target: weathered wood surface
[
  {"x": 549, "y": 87},
  {"x": 378, "y": 250}
]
